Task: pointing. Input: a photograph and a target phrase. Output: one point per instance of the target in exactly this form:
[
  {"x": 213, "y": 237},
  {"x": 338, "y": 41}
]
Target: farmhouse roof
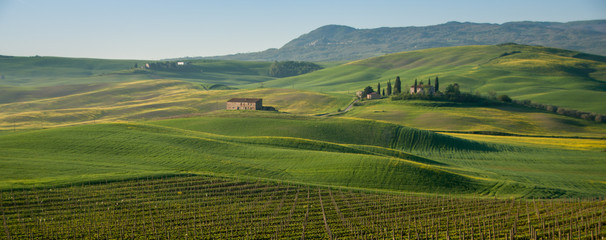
[{"x": 248, "y": 100}]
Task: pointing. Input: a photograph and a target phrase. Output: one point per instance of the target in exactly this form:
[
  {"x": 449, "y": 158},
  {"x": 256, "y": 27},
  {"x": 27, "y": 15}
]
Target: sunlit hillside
[
  {"x": 480, "y": 118},
  {"x": 545, "y": 75},
  {"x": 150, "y": 99},
  {"x": 326, "y": 151}
]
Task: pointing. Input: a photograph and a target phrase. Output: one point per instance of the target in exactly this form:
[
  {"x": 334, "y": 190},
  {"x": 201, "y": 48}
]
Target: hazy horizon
[{"x": 158, "y": 30}]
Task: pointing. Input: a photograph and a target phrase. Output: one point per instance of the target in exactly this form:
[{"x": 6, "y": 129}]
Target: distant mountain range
[{"x": 340, "y": 43}]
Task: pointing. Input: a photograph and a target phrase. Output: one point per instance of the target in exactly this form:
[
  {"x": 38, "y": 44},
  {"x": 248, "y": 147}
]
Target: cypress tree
[
  {"x": 388, "y": 87},
  {"x": 437, "y": 84},
  {"x": 397, "y": 86},
  {"x": 383, "y": 92},
  {"x": 379, "y": 88},
  {"x": 415, "y": 87}
]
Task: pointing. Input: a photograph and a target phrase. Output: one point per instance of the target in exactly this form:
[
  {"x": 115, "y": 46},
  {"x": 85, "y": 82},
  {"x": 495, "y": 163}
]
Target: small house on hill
[
  {"x": 373, "y": 95},
  {"x": 423, "y": 89},
  {"x": 245, "y": 104}
]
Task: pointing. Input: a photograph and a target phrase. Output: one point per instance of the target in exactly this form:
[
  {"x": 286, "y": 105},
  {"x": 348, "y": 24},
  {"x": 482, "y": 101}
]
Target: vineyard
[{"x": 211, "y": 207}]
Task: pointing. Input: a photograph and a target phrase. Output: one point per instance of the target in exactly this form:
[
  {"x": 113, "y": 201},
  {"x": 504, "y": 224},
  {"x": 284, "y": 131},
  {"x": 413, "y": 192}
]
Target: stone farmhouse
[
  {"x": 423, "y": 89},
  {"x": 245, "y": 104},
  {"x": 373, "y": 95}
]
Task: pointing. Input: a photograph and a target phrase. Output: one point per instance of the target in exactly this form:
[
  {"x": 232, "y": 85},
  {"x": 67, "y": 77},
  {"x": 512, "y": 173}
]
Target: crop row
[{"x": 211, "y": 207}]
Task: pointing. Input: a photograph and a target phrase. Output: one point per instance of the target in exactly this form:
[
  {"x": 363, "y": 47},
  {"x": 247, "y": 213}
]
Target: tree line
[
  {"x": 396, "y": 88},
  {"x": 171, "y": 67},
  {"x": 589, "y": 116},
  {"x": 291, "y": 68}
]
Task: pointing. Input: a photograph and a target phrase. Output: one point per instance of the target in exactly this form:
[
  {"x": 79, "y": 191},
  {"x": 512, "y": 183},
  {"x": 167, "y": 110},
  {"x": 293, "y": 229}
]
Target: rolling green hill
[
  {"x": 145, "y": 99},
  {"x": 566, "y": 164},
  {"x": 469, "y": 117},
  {"x": 50, "y": 71},
  {"x": 311, "y": 150},
  {"x": 545, "y": 75},
  {"x": 134, "y": 150},
  {"x": 33, "y": 72}
]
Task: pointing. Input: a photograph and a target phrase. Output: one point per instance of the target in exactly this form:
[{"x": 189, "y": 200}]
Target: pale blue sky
[{"x": 123, "y": 29}]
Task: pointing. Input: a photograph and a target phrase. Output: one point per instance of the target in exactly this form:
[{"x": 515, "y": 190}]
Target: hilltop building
[
  {"x": 373, "y": 95},
  {"x": 245, "y": 104},
  {"x": 423, "y": 89}
]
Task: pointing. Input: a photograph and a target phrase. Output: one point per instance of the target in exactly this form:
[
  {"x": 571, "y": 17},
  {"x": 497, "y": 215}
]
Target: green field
[{"x": 328, "y": 151}]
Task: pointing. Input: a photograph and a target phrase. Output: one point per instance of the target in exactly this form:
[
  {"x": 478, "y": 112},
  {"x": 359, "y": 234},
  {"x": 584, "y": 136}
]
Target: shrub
[
  {"x": 588, "y": 116},
  {"x": 504, "y": 98},
  {"x": 551, "y": 108}
]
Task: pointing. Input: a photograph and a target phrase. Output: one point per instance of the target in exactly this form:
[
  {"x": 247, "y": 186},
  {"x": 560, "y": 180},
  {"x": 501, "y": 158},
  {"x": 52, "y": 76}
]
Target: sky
[{"x": 159, "y": 29}]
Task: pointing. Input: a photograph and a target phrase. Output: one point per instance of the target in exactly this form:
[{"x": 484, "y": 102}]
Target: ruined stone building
[{"x": 245, "y": 104}]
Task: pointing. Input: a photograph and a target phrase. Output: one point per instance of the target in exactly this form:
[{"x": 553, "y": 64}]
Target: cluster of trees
[
  {"x": 162, "y": 65},
  {"x": 396, "y": 88},
  {"x": 389, "y": 90},
  {"x": 367, "y": 90},
  {"x": 171, "y": 66},
  {"x": 291, "y": 68},
  {"x": 451, "y": 93}
]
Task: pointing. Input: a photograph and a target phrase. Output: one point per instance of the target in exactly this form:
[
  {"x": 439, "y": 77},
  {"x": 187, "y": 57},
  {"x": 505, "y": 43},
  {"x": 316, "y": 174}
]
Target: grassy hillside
[
  {"x": 218, "y": 72},
  {"x": 112, "y": 151},
  {"x": 48, "y": 71},
  {"x": 339, "y": 130},
  {"x": 339, "y": 152},
  {"x": 147, "y": 99},
  {"x": 32, "y": 72},
  {"x": 545, "y": 75},
  {"x": 533, "y": 162},
  {"x": 466, "y": 117}
]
